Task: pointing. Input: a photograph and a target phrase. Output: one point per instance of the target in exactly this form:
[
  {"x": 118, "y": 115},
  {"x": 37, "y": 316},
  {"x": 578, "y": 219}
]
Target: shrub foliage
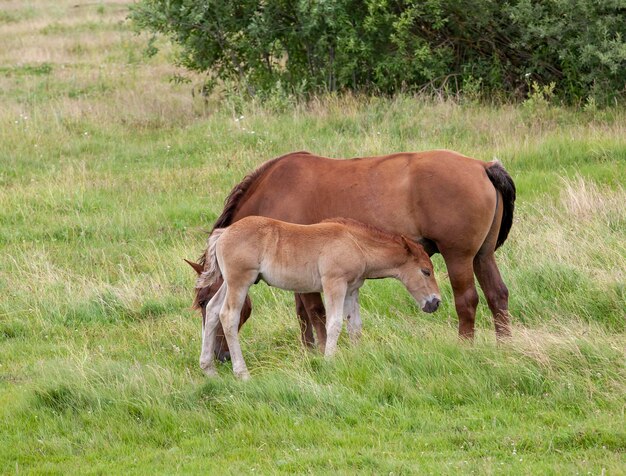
[{"x": 386, "y": 46}]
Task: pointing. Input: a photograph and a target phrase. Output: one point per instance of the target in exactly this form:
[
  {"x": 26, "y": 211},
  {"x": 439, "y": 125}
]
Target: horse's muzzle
[{"x": 431, "y": 304}]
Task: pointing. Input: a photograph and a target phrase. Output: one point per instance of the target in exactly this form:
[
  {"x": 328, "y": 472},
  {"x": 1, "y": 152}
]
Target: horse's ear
[{"x": 197, "y": 267}]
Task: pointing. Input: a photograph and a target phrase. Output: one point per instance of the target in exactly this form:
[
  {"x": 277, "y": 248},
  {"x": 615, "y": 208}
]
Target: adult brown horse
[{"x": 450, "y": 203}]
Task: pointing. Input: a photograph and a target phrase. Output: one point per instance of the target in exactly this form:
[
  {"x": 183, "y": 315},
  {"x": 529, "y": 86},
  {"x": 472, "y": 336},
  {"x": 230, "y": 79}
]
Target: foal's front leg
[{"x": 335, "y": 294}]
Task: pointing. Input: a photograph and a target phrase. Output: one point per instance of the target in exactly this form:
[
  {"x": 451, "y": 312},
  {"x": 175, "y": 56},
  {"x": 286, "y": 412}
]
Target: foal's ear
[
  {"x": 197, "y": 267},
  {"x": 407, "y": 244}
]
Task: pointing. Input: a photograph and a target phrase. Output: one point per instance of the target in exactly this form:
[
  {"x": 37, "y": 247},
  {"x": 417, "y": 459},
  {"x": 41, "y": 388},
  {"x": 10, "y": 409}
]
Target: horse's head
[
  {"x": 203, "y": 296},
  {"x": 418, "y": 276}
]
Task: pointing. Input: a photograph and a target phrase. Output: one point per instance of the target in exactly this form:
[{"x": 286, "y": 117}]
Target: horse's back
[
  {"x": 306, "y": 173},
  {"x": 439, "y": 195}
]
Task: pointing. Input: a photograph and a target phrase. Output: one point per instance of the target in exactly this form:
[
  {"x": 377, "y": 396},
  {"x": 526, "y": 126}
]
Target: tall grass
[{"x": 110, "y": 173}]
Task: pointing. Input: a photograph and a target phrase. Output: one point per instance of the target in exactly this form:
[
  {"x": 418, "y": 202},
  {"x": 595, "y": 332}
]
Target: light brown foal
[{"x": 334, "y": 257}]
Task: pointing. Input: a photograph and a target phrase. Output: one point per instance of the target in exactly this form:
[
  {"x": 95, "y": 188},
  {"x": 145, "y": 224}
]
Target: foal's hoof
[
  {"x": 208, "y": 369},
  {"x": 244, "y": 376},
  {"x": 210, "y": 372}
]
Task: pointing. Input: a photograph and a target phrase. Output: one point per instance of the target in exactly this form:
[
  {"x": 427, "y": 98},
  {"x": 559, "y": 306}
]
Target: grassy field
[{"x": 110, "y": 173}]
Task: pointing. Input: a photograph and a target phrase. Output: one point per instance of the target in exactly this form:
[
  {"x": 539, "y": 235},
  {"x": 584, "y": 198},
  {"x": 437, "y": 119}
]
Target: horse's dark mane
[
  {"x": 238, "y": 192},
  {"x": 370, "y": 230}
]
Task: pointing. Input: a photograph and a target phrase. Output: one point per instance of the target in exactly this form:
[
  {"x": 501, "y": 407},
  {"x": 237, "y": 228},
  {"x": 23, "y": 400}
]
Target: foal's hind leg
[
  {"x": 229, "y": 317},
  {"x": 209, "y": 328},
  {"x": 221, "y": 346},
  {"x": 495, "y": 291}
]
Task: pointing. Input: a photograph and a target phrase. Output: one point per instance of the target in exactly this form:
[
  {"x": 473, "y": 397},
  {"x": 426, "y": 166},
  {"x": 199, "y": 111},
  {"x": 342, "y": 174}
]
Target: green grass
[{"x": 110, "y": 173}]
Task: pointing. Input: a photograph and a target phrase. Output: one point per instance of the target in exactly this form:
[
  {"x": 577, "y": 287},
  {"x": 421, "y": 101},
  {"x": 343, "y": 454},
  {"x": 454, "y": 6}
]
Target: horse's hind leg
[
  {"x": 306, "y": 327},
  {"x": 229, "y": 317},
  {"x": 316, "y": 313},
  {"x": 495, "y": 291},
  {"x": 209, "y": 327},
  {"x": 461, "y": 275}
]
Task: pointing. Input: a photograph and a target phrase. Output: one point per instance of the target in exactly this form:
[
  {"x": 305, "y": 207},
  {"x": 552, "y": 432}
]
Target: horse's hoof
[{"x": 223, "y": 357}]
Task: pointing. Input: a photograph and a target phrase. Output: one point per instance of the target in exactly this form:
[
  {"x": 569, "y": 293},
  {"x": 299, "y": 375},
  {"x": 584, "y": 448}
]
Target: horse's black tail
[{"x": 503, "y": 183}]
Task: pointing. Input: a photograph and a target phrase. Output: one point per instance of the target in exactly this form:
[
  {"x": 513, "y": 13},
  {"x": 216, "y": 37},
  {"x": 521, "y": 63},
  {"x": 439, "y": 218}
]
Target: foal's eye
[{"x": 426, "y": 272}]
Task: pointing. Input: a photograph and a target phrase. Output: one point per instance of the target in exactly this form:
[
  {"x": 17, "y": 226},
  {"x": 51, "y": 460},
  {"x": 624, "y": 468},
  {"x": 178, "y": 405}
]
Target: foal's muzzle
[{"x": 431, "y": 304}]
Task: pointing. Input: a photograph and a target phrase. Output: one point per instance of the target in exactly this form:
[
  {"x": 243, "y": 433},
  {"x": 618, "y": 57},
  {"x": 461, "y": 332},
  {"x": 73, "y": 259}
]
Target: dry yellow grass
[{"x": 93, "y": 67}]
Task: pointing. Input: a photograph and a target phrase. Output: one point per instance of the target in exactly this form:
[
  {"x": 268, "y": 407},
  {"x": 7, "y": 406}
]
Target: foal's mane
[
  {"x": 239, "y": 191},
  {"x": 369, "y": 230}
]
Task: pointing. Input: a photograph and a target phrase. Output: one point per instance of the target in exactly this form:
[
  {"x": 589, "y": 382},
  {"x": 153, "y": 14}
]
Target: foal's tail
[
  {"x": 504, "y": 184},
  {"x": 212, "y": 272}
]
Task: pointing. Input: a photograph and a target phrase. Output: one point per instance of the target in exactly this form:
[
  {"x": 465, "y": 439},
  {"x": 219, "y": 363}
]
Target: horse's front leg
[
  {"x": 306, "y": 326},
  {"x": 335, "y": 294},
  {"x": 353, "y": 316},
  {"x": 315, "y": 316},
  {"x": 210, "y": 320}
]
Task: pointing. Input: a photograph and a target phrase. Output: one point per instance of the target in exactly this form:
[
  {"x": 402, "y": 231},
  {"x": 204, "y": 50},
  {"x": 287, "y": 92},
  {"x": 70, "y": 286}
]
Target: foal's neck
[{"x": 382, "y": 261}]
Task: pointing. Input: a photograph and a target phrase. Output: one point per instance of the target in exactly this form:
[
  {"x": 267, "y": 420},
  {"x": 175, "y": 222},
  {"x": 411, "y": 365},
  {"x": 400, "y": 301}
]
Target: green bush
[{"x": 389, "y": 46}]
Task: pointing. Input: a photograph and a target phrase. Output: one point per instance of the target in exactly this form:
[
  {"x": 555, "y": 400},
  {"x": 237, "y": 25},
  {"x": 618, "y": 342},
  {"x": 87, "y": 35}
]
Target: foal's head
[{"x": 418, "y": 276}]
